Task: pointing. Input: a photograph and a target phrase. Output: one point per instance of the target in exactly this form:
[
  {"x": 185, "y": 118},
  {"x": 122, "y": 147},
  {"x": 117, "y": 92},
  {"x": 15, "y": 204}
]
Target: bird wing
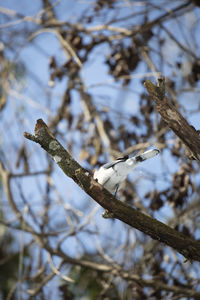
[{"x": 114, "y": 162}]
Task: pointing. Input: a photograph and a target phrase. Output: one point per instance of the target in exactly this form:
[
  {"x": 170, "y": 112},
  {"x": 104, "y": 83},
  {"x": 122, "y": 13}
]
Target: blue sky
[
  {"x": 36, "y": 58},
  {"x": 32, "y": 101}
]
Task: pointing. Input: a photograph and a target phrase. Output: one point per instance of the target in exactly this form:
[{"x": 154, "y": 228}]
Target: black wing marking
[
  {"x": 113, "y": 163},
  {"x": 139, "y": 158},
  {"x": 124, "y": 158}
]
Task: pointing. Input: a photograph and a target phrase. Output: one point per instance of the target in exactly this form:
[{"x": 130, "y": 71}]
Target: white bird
[{"x": 113, "y": 174}]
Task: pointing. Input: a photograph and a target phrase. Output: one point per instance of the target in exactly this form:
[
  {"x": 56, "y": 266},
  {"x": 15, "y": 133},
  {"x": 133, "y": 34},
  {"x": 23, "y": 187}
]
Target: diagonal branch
[
  {"x": 175, "y": 121},
  {"x": 188, "y": 247}
]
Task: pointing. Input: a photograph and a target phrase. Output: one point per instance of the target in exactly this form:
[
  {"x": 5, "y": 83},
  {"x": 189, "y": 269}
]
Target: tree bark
[
  {"x": 188, "y": 247},
  {"x": 175, "y": 121}
]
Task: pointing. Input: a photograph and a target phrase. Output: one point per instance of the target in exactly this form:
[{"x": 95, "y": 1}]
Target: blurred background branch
[{"x": 80, "y": 66}]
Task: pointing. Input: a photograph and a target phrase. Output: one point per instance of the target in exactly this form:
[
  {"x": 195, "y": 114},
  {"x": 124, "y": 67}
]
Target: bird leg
[{"x": 117, "y": 186}]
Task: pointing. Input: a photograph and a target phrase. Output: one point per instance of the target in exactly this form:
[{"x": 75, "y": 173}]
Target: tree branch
[
  {"x": 188, "y": 247},
  {"x": 175, "y": 121}
]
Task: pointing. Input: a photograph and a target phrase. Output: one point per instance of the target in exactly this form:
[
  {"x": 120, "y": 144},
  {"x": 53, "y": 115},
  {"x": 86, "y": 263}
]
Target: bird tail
[{"x": 146, "y": 155}]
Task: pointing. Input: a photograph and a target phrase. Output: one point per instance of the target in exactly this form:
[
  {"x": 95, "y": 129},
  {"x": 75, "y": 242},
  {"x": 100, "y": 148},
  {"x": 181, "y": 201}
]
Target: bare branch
[
  {"x": 173, "y": 118},
  {"x": 157, "y": 230}
]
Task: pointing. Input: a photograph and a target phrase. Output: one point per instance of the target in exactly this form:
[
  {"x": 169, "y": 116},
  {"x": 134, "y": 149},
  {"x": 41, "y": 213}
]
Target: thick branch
[
  {"x": 188, "y": 247},
  {"x": 115, "y": 271},
  {"x": 187, "y": 133}
]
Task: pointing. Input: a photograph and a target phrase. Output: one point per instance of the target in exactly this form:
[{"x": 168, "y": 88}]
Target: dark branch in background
[
  {"x": 40, "y": 238},
  {"x": 188, "y": 247},
  {"x": 133, "y": 38},
  {"x": 187, "y": 133}
]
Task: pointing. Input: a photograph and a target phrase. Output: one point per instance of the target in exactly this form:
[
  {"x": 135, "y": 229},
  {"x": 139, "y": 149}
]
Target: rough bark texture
[
  {"x": 173, "y": 118},
  {"x": 188, "y": 247}
]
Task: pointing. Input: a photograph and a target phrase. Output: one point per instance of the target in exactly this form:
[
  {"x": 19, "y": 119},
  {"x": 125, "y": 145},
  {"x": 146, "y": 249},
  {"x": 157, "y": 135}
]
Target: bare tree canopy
[{"x": 99, "y": 80}]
